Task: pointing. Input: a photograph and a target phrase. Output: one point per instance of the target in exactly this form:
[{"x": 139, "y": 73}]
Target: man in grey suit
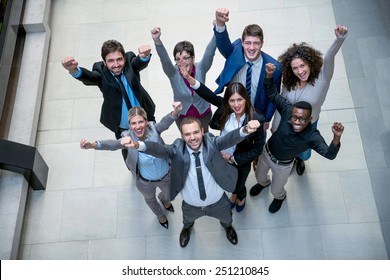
[{"x": 202, "y": 179}]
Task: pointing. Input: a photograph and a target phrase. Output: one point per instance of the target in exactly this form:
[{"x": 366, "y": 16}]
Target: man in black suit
[
  {"x": 118, "y": 78},
  {"x": 194, "y": 153}
]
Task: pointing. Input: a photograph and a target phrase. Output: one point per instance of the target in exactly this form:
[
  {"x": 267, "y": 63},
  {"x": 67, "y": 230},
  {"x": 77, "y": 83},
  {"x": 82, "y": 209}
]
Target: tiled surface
[{"x": 92, "y": 209}]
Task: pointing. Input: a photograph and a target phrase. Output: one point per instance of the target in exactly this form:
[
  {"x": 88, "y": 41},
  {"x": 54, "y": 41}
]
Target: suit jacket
[
  {"x": 249, "y": 148},
  {"x": 235, "y": 60},
  {"x": 224, "y": 174},
  {"x": 153, "y": 134},
  {"x": 100, "y": 76}
]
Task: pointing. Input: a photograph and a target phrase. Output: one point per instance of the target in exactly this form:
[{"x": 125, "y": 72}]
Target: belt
[
  {"x": 151, "y": 181},
  {"x": 275, "y": 160}
]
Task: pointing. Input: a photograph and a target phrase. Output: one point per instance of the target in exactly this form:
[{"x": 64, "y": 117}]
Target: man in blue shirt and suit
[{"x": 241, "y": 55}]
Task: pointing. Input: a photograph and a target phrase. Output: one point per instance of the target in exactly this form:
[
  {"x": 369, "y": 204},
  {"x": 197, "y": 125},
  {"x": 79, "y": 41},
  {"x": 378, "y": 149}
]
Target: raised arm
[
  {"x": 329, "y": 57},
  {"x": 70, "y": 64},
  {"x": 167, "y": 65},
  {"x": 201, "y": 89}
]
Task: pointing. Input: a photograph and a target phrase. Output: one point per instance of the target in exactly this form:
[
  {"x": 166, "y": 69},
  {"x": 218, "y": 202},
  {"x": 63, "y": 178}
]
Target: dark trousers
[
  {"x": 243, "y": 173},
  {"x": 219, "y": 210}
]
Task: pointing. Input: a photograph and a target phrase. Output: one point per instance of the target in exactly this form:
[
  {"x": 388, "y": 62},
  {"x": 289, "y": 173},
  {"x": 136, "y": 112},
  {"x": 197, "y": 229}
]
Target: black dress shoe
[
  {"x": 231, "y": 235},
  {"x": 300, "y": 166},
  {"x": 275, "y": 205},
  {"x": 256, "y": 189},
  {"x": 185, "y": 236},
  {"x": 165, "y": 224},
  {"x": 169, "y": 208}
]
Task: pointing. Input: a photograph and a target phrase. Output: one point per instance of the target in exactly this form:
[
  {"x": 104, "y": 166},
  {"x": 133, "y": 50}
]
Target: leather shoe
[
  {"x": 164, "y": 224},
  {"x": 300, "y": 166},
  {"x": 275, "y": 205},
  {"x": 231, "y": 235},
  {"x": 256, "y": 189},
  {"x": 169, "y": 208},
  {"x": 185, "y": 236}
]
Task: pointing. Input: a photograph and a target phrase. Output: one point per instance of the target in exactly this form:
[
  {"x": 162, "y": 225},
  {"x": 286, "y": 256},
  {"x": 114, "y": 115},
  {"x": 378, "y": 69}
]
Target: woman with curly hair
[{"x": 306, "y": 77}]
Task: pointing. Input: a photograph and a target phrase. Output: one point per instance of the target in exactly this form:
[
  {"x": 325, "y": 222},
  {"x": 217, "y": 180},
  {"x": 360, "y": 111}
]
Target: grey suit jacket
[
  {"x": 223, "y": 173},
  {"x": 152, "y": 133}
]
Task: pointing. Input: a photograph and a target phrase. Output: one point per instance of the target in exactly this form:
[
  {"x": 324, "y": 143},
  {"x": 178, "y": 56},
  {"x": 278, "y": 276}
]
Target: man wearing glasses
[
  {"x": 294, "y": 135},
  {"x": 184, "y": 56}
]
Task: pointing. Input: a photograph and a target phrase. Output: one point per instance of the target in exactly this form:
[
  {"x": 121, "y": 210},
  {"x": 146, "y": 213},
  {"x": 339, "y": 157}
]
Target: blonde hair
[{"x": 136, "y": 111}]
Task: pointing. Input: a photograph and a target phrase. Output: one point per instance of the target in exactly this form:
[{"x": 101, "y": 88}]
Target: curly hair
[
  {"x": 231, "y": 89},
  {"x": 309, "y": 55}
]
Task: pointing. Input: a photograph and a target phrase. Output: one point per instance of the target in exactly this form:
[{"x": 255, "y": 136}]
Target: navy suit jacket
[
  {"x": 235, "y": 60},
  {"x": 100, "y": 76}
]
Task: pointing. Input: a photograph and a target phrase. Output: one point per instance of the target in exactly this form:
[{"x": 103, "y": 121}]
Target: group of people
[{"x": 203, "y": 168}]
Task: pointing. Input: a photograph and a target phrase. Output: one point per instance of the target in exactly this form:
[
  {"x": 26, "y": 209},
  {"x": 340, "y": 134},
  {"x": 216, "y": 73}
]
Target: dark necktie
[
  {"x": 123, "y": 91},
  {"x": 202, "y": 191},
  {"x": 249, "y": 78}
]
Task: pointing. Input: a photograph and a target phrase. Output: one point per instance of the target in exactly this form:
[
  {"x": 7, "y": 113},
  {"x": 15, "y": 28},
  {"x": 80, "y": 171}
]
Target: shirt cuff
[
  {"x": 77, "y": 74},
  {"x": 220, "y": 29},
  {"x": 99, "y": 145},
  {"x": 145, "y": 59},
  {"x": 242, "y": 133},
  {"x": 197, "y": 85},
  {"x": 141, "y": 147}
]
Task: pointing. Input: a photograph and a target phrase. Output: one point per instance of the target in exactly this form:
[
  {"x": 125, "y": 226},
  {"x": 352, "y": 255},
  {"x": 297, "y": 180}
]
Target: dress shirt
[
  {"x": 256, "y": 69},
  {"x": 231, "y": 124},
  {"x": 190, "y": 192}
]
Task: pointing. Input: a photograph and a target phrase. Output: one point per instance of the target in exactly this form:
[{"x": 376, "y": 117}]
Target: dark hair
[
  {"x": 231, "y": 89},
  {"x": 189, "y": 120},
  {"x": 252, "y": 30},
  {"x": 184, "y": 46},
  {"x": 312, "y": 57},
  {"x": 304, "y": 105},
  {"x": 111, "y": 46}
]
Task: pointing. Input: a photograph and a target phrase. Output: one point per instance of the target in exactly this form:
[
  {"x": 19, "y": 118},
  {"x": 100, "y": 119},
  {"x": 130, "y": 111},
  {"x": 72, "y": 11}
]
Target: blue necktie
[
  {"x": 202, "y": 190},
  {"x": 123, "y": 91},
  {"x": 249, "y": 78}
]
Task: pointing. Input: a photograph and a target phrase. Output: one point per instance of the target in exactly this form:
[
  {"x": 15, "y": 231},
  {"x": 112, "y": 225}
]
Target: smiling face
[
  {"x": 138, "y": 124},
  {"x": 192, "y": 134},
  {"x": 186, "y": 60},
  {"x": 252, "y": 47},
  {"x": 237, "y": 104},
  {"x": 300, "y": 119},
  {"x": 300, "y": 69},
  {"x": 115, "y": 62}
]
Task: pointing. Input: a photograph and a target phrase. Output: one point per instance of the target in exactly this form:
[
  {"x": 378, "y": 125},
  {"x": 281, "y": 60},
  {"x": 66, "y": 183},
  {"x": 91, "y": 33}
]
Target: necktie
[
  {"x": 202, "y": 191},
  {"x": 249, "y": 78},
  {"x": 123, "y": 91}
]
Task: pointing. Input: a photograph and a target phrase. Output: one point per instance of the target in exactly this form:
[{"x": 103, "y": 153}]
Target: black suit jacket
[
  {"x": 252, "y": 146},
  {"x": 100, "y": 76}
]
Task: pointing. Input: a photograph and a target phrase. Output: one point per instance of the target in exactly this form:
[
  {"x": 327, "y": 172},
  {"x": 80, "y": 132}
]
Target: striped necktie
[{"x": 249, "y": 78}]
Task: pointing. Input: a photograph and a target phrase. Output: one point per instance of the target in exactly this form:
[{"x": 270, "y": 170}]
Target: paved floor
[{"x": 91, "y": 208}]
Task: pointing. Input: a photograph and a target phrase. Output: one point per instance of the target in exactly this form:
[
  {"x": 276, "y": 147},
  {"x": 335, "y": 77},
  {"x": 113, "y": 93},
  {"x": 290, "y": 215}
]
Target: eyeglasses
[
  {"x": 185, "y": 58},
  {"x": 300, "y": 119}
]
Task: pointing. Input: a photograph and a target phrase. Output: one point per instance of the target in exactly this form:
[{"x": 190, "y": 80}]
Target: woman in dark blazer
[{"x": 234, "y": 110}]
